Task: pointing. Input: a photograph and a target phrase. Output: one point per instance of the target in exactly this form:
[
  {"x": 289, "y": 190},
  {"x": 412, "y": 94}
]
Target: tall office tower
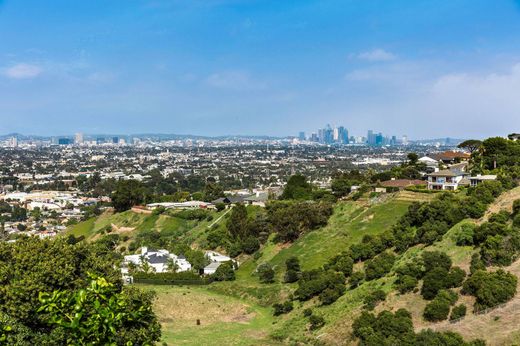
[
  {"x": 335, "y": 135},
  {"x": 342, "y": 135},
  {"x": 321, "y": 135},
  {"x": 405, "y": 140},
  {"x": 328, "y": 135},
  {"x": 301, "y": 136},
  {"x": 115, "y": 140},
  {"x": 371, "y": 138},
  {"x": 14, "y": 142},
  {"x": 379, "y": 139},
  {"x": 78, "y": 138},
  {"x": 314, "y": 137},
  {"x": 393, "y": 141}
]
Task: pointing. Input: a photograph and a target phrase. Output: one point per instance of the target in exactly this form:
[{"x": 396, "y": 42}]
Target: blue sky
[{"x": 216, "y": 67}]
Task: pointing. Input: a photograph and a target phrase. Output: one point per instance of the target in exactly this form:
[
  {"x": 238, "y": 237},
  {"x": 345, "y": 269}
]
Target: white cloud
[
  {"x": 23, "y": 71},
  {"x": 376, "y": 55},
  {"x": 236, "y": 80}
]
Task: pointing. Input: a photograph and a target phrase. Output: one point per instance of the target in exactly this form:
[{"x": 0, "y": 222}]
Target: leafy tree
[
  {"x": 471, "y": 145},
  {"x": 316, "y": 322},
  {"x": 436, "y": 259},
  {"x": 405, "y": 283},
  {"x": 292, "y": 273},
  {"x": 413, "y": 158},
  {"x": 128, "y": 193},
  {"x": 237, "y": 222},
  {"x": 437, "y": 310},
  {"x": 101, "y": 314},
  {"x": 490, "y": 289},
  {"x": 297, "y": 187},
  {"x": 379, "y": 266},
  {"x": 265, "y": 273},
  {"x": 457, "y": 312},
  {"x": 434, "y": 280},
  {"x": 282, "y": 308},
  {"x": 373, "y": 298},
  {"x": 356, "y": 278},
  {"x": 225, "y": 272},
  {"x": 465, "y": 235}
]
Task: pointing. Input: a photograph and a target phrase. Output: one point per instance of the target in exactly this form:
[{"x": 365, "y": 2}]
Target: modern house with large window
[{"x": 445, "y": 180}]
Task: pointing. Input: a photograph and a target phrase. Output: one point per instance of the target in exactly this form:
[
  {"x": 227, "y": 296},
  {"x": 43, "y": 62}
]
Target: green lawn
[{"x": 84, "y": 228}]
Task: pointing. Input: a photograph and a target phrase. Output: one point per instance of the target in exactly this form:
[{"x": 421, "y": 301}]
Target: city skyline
[{"x": 247, "y": 67}]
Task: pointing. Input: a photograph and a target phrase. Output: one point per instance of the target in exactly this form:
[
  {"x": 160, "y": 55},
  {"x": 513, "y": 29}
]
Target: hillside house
[
  {"x": 474, "y": 181},
  {"x": 445, "y": 180},
  {"x": 158, "y": 260}
]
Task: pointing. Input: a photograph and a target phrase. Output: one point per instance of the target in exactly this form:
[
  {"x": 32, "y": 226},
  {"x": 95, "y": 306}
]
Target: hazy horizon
[{"x": 425, "y": 69}]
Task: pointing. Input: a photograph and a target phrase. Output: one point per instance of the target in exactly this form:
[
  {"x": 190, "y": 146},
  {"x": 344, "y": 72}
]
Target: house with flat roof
[
  {"x": 474, "y": 181},
  {"x": 445, "y": 180}
]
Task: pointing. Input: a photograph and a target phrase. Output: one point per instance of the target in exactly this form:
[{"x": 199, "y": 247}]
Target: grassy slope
[
  {"x": 224, "y": 320},
  {"x": 129, "y": 223},
  {"x": 348, "y": 224}
]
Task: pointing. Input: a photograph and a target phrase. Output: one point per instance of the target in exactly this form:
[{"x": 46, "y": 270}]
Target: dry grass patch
[{"x": 183, "y": 306}]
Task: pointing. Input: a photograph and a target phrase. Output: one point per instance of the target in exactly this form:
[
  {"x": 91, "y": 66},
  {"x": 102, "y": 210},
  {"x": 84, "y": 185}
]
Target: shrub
[
  {"x": 356, "y": 278},
  {"x": 330, "y": 295},
  {"x": 250, "y": 245},
  {"x": 342, "y": 263},
  {"x": 292, "y": 265},
  {"x": 436, "y": 259},
  {"x": 433, "y": 282},
  {"x": 516, "y": 207},
  {"x": 456, "y": 277},
  {"x": 476, "y": 263},
  {"x": 465, "y": 235},
  {"x": 307, "y": 312},
  {"x": 283, "y": 308},
  {"x": 316, "y": 322},
  {"x": 437, "y": 310},
  {"x": 225, "y": 272},
  {"x": 314, "y": 282},
  {"x": 405, "y": 283},
  {"x": 373, "y": 298},
  {"x": 265, "y": 273},
  {"x": 448, "y": 295},
  {"x": 379, "y": 266},
  {"x": 457, "y": 312},
  {"x": 490, "y": 289}
]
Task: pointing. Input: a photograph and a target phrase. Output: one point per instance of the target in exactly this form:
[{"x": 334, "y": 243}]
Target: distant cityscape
[
  {"x": 340, "y": 135},
  {"x": 329, "y": 136}
]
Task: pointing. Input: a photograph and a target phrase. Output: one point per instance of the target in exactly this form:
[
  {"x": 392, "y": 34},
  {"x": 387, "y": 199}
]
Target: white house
[
  {"x": 474, "y": 181},
  {"x": 445, "y": 180},
  {"x": 430, "y": 163},
  {"x": 216, "y": 260},
  {"x": 158, "y": 260}
]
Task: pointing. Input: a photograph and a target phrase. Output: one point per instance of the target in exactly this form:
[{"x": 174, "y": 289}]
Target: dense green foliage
[
  {"x": 490, "y": 289},
  {"x": 31, "y": 267},
  {"x": 101, "y": 314},
  {"x": 389, "y": 328}
]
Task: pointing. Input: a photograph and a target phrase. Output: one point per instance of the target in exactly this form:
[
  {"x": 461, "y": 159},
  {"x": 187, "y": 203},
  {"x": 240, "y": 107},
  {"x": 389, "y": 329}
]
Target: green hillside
[{"x": 252, "y": 301}]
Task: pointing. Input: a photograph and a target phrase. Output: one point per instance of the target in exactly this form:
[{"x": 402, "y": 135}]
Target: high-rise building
[
  {"x": 78, "y": 138},
  {"x": 371, "y": 138},
  {"x": 336, "y": 134},
  {"x": 115, "y": 140},
  {"x": 342, "y": 135},
  {"x": 301, "y": 136},
  {"x": 405, "y": 140}
]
